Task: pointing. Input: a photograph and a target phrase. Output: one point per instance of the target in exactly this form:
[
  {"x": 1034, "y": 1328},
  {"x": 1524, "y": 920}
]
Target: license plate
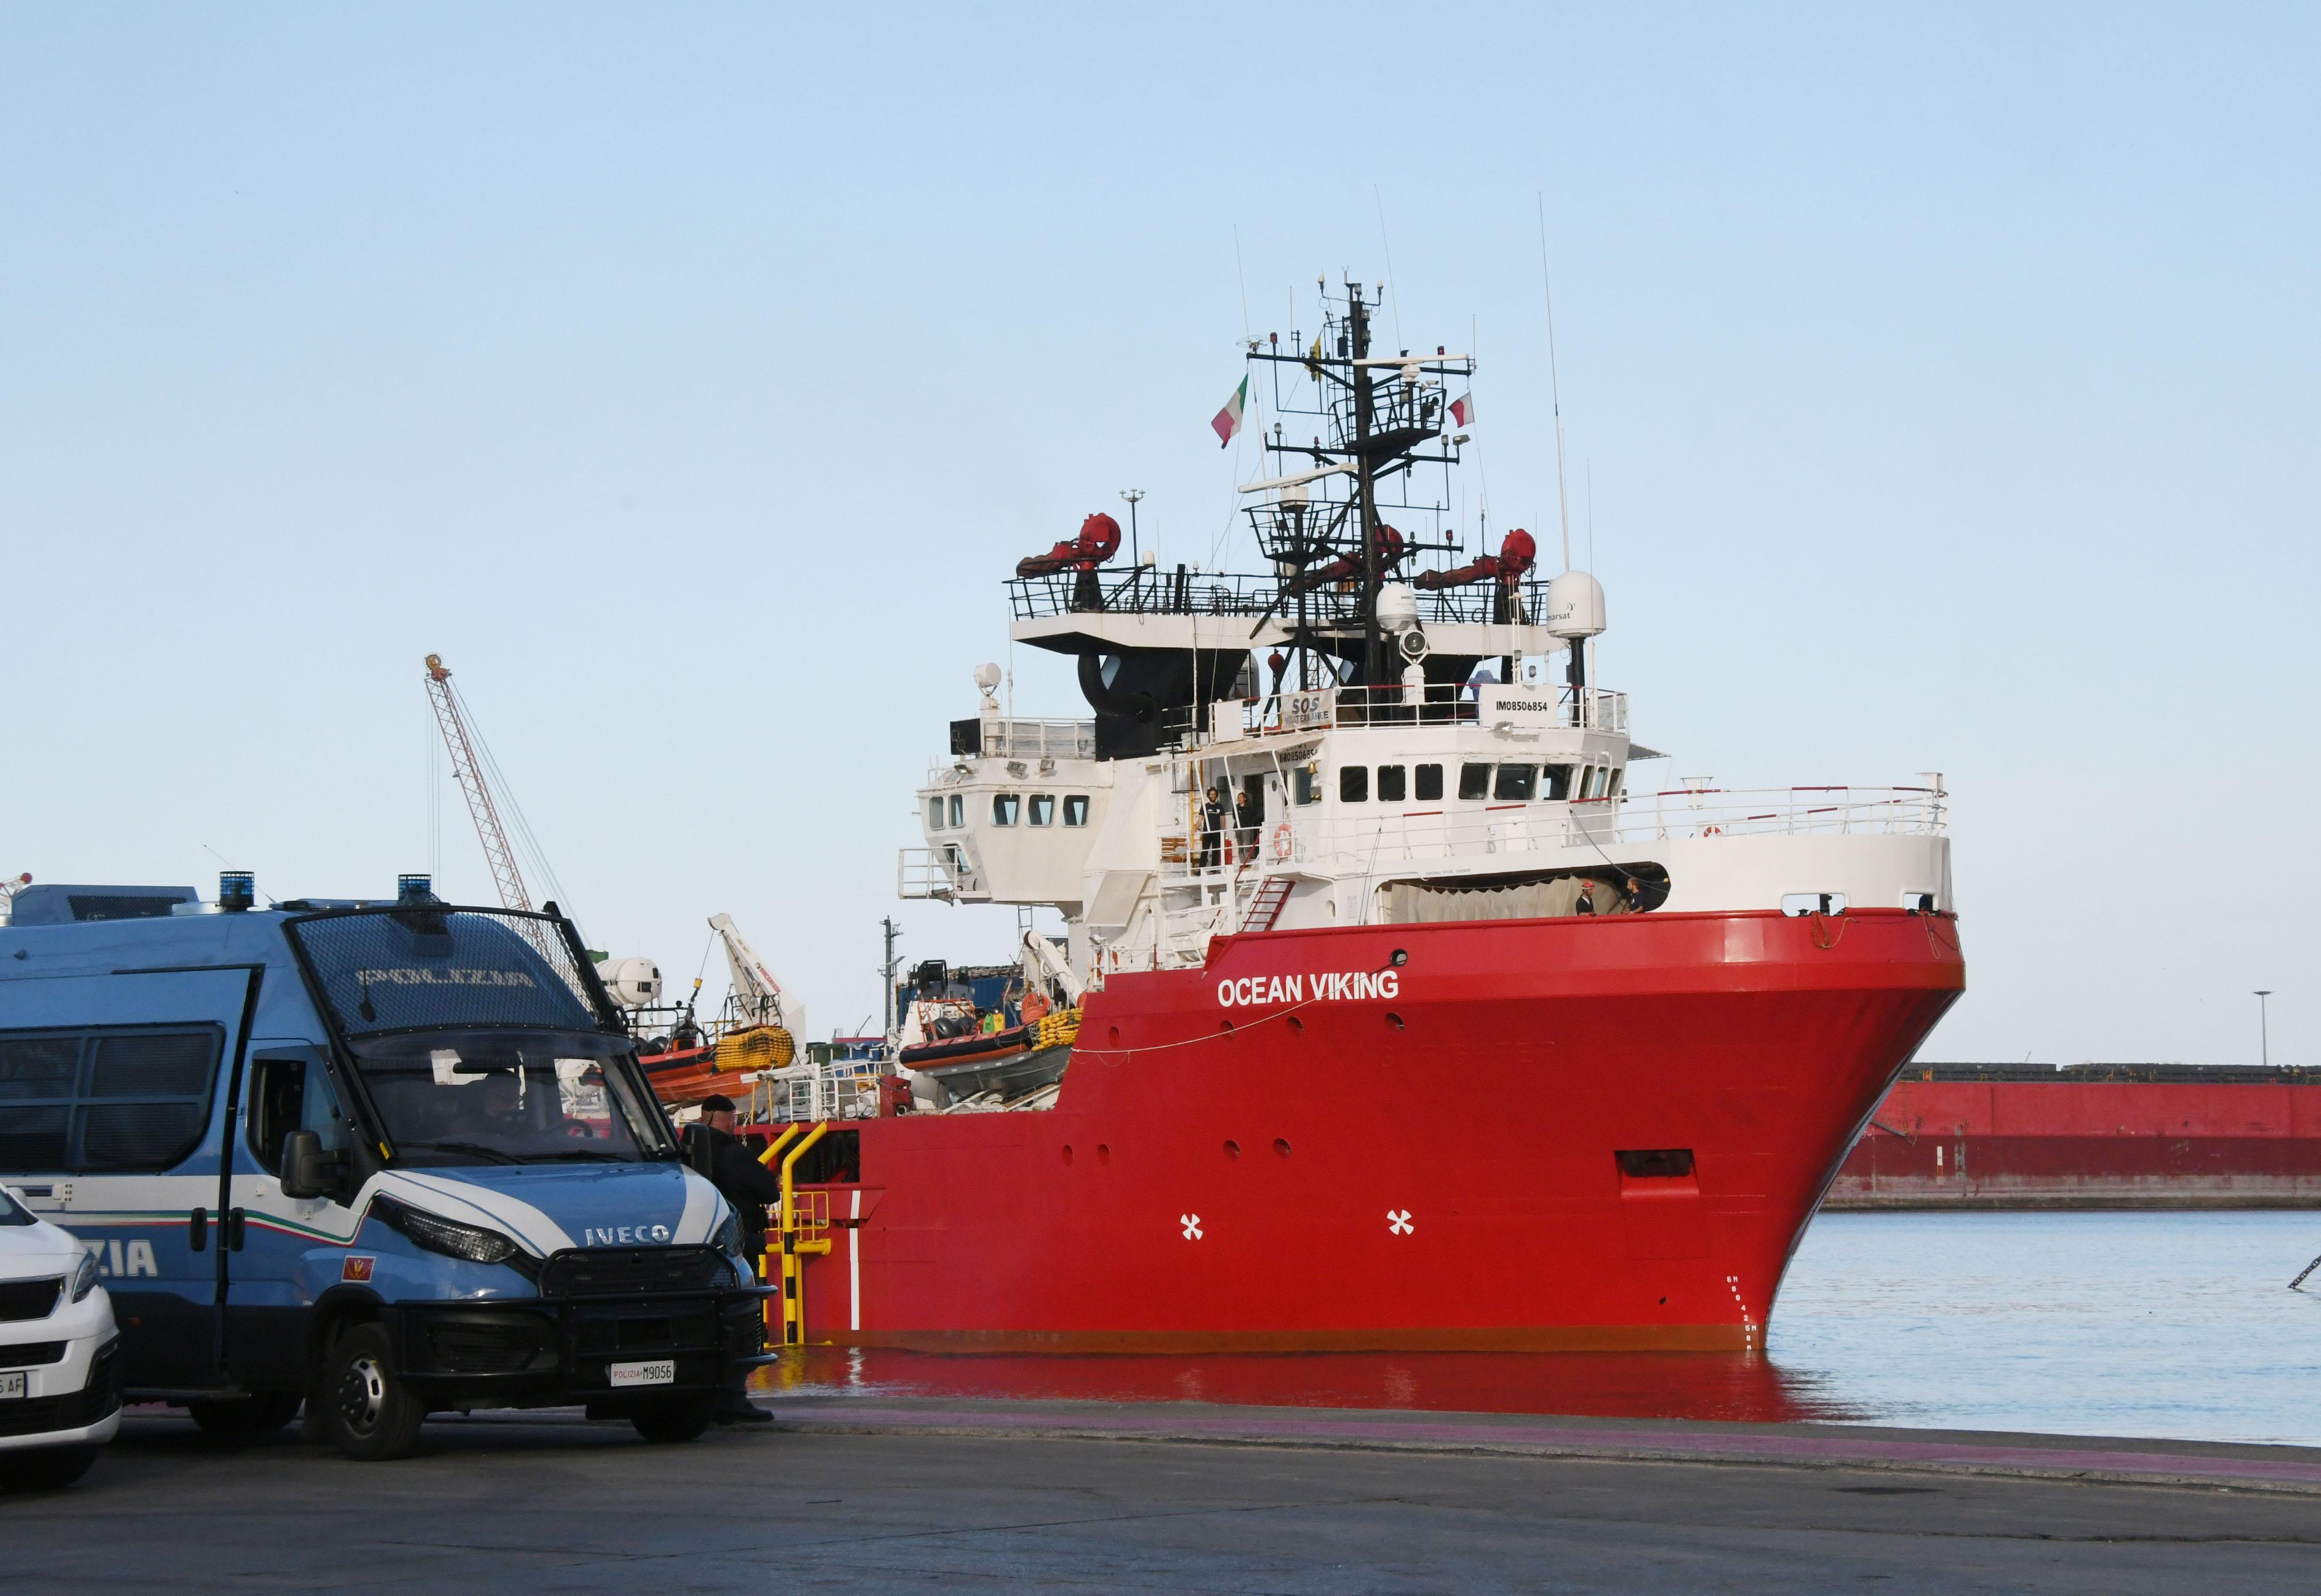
[
  {"x": 11, "y": 1384},
  {"x": 660, "y": 1372}
]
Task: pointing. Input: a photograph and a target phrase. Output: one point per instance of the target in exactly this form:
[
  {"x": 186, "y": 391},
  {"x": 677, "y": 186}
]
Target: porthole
[
  {"x": 1297, "y": 1026},
  {"x": 1103, "y": 1153},
  {"x": 1394, "y": 1019},
  {"x": 1232, "y": 1149},
  {"x": 1280, "y": 1148},
  {"x": 1068, "y": 1152}
]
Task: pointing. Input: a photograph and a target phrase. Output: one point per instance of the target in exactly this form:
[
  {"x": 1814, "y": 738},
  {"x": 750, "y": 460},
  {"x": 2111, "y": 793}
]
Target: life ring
[
  {"x": 1712, "y": 830},
  {"x": 1282, "y": 841}
]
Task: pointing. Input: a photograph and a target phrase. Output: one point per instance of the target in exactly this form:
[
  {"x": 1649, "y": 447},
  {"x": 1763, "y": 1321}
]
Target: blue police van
[{"x": 385, "y": 1157}]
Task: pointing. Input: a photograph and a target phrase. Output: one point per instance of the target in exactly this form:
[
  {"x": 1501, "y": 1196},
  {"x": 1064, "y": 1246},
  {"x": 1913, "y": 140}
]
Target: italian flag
[{"x": 1227, "y": 425}]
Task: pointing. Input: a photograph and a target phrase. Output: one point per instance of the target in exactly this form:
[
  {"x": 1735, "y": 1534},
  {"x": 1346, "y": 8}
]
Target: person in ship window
[{"x": 1214, "y": 814}]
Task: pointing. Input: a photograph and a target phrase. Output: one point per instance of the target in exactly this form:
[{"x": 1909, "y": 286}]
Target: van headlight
[
  {"x": 84, "y": 1277},
  {"x": 728, "y": 1238},
  {"x": 449, "y": 1236}
]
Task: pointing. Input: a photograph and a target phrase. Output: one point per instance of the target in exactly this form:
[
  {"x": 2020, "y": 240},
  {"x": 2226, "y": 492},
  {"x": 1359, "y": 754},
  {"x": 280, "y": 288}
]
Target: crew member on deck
[
  {"x": 1586, "y": 903},
  {"x": 1250, "y": 813},
  {"x": 1214, "y": 813}
]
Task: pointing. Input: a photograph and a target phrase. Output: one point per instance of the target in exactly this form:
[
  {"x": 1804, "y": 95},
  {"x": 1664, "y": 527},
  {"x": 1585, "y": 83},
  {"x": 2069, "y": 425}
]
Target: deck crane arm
[
  {"x": 470, "y": 771},
  {"x": 760, "y": 999}
]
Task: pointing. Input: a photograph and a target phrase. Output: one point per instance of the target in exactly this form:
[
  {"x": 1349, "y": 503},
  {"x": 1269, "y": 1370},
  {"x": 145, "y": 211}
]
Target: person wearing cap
[{"x": 725, "y": 1160}]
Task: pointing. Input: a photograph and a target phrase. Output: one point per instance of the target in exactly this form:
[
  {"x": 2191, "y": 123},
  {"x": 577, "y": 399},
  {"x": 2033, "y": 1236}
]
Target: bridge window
[
  {"x": 1474, "y": 782},
  {"x": 1003, "y": 808},
  {"x": 1076, "y": 807},
  {"x": 1559, "y": 783},
  {"x": 1043, "y": 811},
  {"x": 1353, "y": 784},
  {"x": 1429, "y": 783},
  {"x": 958, "y": 811},
  {"x": 1390, "y": 783},
  {"x": 1516, "y": 783},
  {"x": 934, "y": 814}
]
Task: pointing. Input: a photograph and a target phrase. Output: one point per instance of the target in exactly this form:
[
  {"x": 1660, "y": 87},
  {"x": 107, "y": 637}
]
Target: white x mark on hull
[
  {"x": 1398, "y": 1221},
  {"x": 1192, "y": 1223}
]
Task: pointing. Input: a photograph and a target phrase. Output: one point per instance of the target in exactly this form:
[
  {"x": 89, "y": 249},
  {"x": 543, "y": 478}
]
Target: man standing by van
[{"x": 717, "y": 1153}]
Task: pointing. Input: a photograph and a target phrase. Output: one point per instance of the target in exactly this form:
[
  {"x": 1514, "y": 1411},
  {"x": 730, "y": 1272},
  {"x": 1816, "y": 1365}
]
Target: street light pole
[{"x": 2263, "y": 1032}]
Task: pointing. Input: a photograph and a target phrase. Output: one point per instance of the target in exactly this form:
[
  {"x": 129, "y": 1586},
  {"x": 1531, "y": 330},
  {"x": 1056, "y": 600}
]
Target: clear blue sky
[{"x": 689, "y": 378}]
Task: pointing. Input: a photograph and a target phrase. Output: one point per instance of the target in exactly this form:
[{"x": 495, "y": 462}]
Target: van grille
[
  {"x": 29, "y": 1299},
  {"x": 630, "y": 1270},
  {"x": 25, "y": 1355},
  {"x": 488, "y": 1346}
]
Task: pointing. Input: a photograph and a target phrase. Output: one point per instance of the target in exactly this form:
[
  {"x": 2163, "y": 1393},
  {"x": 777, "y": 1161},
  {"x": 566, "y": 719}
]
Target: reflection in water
[
  {"x": 2125, "y": 1324},
  {"x": 1606, "y": 1384}
]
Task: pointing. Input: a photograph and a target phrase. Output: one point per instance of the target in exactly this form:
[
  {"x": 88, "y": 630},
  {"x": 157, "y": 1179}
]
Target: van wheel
[
  {"x": 369, "y": 1413},
  {"x": 259, "y": 1415},
  {"x": 670, "y": 1420},
  {"x": 49, "y": 1469}
]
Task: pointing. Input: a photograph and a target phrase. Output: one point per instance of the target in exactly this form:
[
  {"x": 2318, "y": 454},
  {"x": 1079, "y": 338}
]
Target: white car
[{"x": 60, "y": 1386}]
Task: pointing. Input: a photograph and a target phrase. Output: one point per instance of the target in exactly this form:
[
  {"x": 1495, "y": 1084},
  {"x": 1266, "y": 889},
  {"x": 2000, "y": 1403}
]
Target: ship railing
[
  {"x": 1142, "y": 590},
  {"x": 1289, "y": 595},
  {"x": 947, "y": 872},
  {"x": 1346, "y": 845},
  {"x": 1437, "y": 704},
  {"x": 1001, "y": 737},
  {"x": 803, "y": 1094}
]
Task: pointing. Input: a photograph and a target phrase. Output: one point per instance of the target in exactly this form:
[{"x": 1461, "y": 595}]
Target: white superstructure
[{"x": 1414, "y": 772}]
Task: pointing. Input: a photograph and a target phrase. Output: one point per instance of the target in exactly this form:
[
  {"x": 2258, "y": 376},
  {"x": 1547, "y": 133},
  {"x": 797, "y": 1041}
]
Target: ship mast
[{"x": 1381, "y": 413}]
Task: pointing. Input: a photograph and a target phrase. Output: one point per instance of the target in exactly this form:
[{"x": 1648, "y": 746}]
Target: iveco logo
[{"x": 624, "y": 1235}]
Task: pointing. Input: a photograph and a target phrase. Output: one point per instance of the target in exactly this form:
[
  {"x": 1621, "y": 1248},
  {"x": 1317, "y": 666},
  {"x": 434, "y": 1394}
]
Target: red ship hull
[
  {"x": 2114, "y": 1136},
  {"x": 1426, "y": 1158}
]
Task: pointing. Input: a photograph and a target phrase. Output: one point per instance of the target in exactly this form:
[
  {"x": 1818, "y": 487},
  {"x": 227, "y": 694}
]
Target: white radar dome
[
  {"x": 1398, "y": 606},
  {"x": 1574, "y": 606},
  {"x": 634, "y": 983}
]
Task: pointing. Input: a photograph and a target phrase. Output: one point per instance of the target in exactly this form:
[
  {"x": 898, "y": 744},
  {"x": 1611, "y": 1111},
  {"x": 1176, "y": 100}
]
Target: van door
[
  {"x": 115, "y": 1090},
  {"x": 289, "y": 1087}
]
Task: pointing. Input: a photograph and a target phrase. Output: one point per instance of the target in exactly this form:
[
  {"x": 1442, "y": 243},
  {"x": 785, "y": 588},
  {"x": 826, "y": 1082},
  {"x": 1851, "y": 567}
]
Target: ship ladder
[{"x": 1265, "y": 908}]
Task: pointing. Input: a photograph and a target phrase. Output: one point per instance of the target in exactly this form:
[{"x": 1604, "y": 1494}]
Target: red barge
[
  {"x": 1389, "y": 1012},
  {"x": 2089, "y": 1136}
]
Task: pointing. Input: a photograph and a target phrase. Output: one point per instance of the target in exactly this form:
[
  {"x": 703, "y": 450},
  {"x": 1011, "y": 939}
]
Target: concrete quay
[{"x": 874, "y": 1494}]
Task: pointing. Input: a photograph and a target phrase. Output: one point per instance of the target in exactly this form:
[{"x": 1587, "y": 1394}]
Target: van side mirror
[{"x": 306, "y": 1170}]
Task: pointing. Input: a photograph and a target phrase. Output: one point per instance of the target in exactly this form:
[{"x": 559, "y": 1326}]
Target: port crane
[{"x": 470, "y": 771}]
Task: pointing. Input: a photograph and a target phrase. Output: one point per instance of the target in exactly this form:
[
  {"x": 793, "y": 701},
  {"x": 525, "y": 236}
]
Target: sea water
[{"x": 2174, "y": 1325}]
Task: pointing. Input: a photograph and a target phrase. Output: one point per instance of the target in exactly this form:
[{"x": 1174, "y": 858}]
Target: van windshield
[
  {"x": 417, "y": 968},
  {"x": 508, "y": 1097}
]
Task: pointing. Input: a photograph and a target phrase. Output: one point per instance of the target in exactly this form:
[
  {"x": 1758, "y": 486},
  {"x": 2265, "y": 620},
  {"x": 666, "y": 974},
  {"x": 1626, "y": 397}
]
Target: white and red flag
[
  {"x": 1227, "y": 424},
  {"x": 1463, "y": 410}
]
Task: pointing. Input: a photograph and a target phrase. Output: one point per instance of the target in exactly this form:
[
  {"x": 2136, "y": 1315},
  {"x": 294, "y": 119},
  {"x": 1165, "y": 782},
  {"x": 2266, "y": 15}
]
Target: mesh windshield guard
[{"x": 408, "y": 970}]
